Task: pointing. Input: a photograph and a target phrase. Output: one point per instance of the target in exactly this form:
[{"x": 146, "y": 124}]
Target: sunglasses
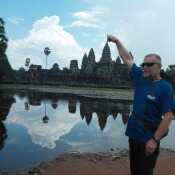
[{"x": 148, "y": 64}]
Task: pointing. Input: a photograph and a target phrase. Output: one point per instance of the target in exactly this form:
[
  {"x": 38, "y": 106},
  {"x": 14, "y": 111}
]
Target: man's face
[{"x": 151, "y": 66}]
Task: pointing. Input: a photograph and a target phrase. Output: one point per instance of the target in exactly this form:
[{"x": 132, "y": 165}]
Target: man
[{"x": 153, "y": 98}]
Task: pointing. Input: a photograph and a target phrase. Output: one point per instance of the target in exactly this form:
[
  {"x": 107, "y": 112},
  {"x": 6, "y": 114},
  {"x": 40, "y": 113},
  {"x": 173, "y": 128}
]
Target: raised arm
[{"x": 124, "y": 54}]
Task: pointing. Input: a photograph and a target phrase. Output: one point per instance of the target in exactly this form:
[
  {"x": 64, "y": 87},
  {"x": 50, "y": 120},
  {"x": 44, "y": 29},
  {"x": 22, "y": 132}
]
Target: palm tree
[
  {"x": 45, "y": 117},
  {"x": 2, "y": 23},
  {"x": 46, "y": 52}
]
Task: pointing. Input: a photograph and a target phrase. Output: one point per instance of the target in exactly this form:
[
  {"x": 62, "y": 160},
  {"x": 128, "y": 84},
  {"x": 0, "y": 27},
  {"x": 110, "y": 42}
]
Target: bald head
[{"x": 153, "y": 57}]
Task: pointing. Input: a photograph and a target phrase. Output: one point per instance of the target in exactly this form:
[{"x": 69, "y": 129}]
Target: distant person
[{"x": 152, "y": 113}]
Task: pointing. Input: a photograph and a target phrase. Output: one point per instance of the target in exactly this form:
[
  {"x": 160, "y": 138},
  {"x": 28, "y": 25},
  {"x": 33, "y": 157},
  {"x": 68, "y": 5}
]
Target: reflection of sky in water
[{"x": 30, "y": 141}]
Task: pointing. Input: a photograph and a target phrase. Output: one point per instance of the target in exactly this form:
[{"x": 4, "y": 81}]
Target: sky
[{"x": 70, "y": 28}]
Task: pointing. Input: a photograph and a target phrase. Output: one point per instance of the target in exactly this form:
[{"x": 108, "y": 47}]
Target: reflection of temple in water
[
  {"x": 35, "y": 98},
  {"x": 72, "y": 104},
  {"x": 54, "y": 104},
  {"x": 102, "y": 119},
  {"x": 54, "y": 100},
  {"x": 103, "y": 109}
]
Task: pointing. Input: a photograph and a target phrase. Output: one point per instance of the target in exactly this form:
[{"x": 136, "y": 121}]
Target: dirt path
[{"x": 99, "y": 164}]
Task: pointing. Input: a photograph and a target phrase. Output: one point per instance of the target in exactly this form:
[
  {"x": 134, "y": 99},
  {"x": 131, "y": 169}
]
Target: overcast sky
[{"x": 71, "y": 27}]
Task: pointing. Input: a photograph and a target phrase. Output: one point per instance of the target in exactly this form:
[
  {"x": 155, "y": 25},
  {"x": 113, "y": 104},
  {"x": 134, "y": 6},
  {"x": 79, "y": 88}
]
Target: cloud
[
  {"x": 45, "y": 135},
  {"x": 89, "y": 18},
  {"x": 15, "y": 20},
  {"x": 80, "y": 23},
  {"x": 45, "y": 32}
]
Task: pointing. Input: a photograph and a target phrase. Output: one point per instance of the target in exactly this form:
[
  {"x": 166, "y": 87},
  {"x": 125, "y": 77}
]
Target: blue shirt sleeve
[
  {"x": 168, "y": 101},
  {"x": 136, "y": 74}
]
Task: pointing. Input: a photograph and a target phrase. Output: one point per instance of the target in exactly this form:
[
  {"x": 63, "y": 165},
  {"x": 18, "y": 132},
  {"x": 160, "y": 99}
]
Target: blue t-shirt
[{"x": 152, "y": 99}]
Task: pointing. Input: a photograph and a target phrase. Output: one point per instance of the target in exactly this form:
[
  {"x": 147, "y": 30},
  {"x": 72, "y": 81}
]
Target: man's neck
[
  {"x": 156, "y": 78},
  {"x": 153, "y": 78}
]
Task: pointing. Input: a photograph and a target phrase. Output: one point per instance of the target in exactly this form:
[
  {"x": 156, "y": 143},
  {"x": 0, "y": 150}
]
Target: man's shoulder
[{"x": 165, "y": 84}]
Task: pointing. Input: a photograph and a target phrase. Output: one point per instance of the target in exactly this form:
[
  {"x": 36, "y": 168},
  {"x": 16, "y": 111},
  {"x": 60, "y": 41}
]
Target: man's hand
[
  {"x": 111, "y": 38},
  {"x": 150, "y": 147}
]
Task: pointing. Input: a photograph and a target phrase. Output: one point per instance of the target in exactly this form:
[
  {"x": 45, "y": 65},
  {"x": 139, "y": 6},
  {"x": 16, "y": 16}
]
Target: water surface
[{"x": 37, "y": 127}]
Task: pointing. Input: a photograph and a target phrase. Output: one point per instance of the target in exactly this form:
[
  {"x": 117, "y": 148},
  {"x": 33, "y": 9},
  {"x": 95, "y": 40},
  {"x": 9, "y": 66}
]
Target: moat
[{"x": 39, "y": 126}]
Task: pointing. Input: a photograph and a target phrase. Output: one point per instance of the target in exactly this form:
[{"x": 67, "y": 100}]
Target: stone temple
[
  {"x": 105, "y": 69},
  {"x": 105, "y": 72}
]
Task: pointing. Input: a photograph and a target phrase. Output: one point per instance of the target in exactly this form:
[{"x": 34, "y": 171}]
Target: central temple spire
[{"x": 106, "y": 54}]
